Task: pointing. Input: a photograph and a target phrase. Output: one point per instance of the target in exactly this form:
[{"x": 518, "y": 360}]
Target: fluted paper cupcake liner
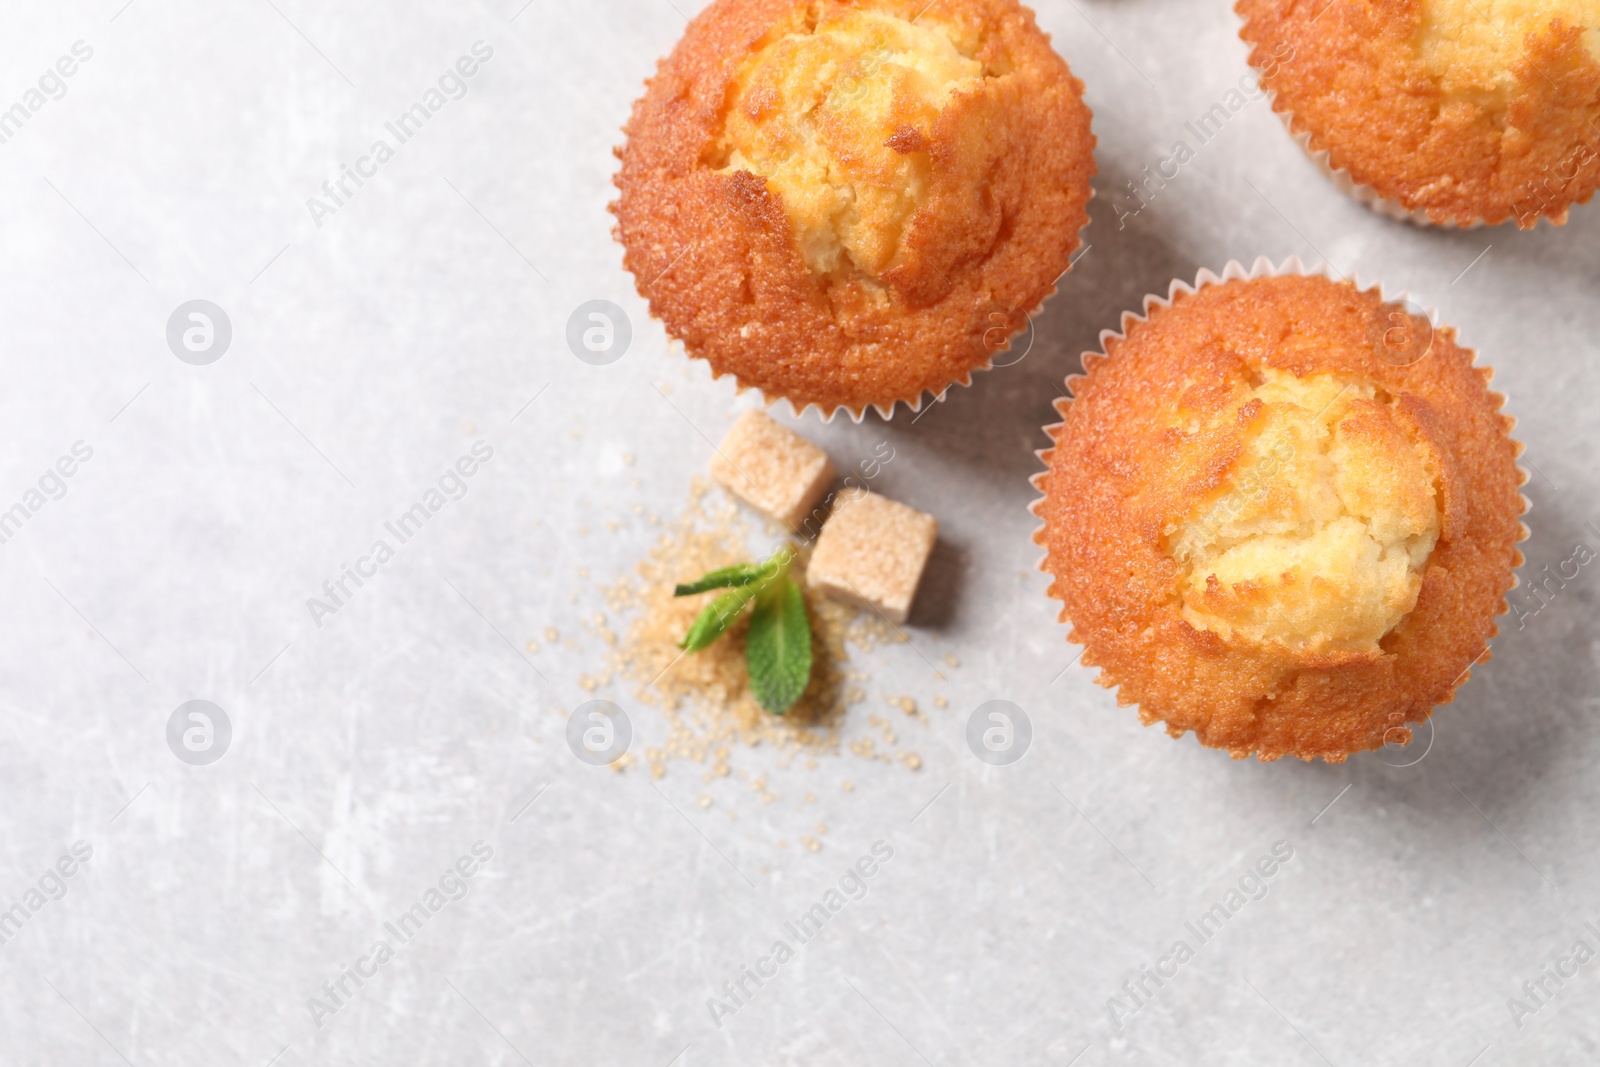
[
  {"x": 1236, "y": 271},
  {"x": 1360, "y": 191}
]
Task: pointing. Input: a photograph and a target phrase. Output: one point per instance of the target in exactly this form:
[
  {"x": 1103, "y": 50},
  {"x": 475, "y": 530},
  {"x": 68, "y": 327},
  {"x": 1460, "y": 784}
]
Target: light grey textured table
[{"x": 369, "y": 753}]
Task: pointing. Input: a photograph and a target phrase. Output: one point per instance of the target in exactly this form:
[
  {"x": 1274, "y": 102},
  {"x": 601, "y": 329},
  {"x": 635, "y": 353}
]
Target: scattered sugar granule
[{"x": 704, "y": 698}]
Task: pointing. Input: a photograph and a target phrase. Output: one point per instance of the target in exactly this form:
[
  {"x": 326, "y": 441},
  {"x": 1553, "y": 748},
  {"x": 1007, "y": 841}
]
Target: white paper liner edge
[{"x": 1233, "y": 270}]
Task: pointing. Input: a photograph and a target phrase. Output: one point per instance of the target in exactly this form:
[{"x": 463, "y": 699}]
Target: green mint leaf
[
  {"x": 718, "y": 615},
  {"x": 721, "y": 578},
  {"x": 738, "y": 574},
  {"x": 777, "y": 648}
]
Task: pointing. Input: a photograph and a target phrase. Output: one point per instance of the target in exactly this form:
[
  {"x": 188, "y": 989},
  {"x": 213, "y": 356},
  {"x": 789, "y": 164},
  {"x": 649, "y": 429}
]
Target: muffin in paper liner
[
  {"x": 854, "y": 204},
  {"x": 1281, "y": 511},
  {"x": 1427, "y": 115}
]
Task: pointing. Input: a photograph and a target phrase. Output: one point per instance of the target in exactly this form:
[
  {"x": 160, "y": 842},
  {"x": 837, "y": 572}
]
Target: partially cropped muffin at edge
[
  {"x": 1458, "y": 111},
  {"x": 854, "y": 204},
  {"x": 1282, "y": 514}
]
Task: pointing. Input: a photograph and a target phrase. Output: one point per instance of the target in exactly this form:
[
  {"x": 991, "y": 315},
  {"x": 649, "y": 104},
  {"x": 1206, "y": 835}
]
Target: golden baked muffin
[
  {"x": 851, "y": 204},
  {"x": 1282, "y": 514},
  {"x": 1456, "y": 111}
]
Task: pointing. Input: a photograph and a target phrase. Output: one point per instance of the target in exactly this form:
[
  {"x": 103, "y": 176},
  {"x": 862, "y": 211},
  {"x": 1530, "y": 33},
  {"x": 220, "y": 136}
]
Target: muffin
[
  {"x": 1454, "y": 112},
  {"x": 1282, "y": 513},
  {"x": 851, "y": 204}
]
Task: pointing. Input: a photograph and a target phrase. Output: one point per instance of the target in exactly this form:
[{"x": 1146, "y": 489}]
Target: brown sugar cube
[
  {"x": 871, "y": 552},
  {"x": 772, "y": 468}
]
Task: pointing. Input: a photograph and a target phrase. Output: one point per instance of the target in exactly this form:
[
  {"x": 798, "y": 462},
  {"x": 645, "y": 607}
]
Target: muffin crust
[
  {"x": 839, "y": 203},
  {"x": 1265, "y": 531},
  {"x": 1318, "y": 537},
  {"x": 1464, "y": 111},
  {"x": 842, "y": 153}
]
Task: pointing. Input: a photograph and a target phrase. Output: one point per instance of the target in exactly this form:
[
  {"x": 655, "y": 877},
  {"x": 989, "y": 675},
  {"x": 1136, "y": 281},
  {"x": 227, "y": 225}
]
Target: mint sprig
[
  {"x": 721, "y": 578},
  {"x": 777, "y": 647},
  {"x": 714, "y": 621}
]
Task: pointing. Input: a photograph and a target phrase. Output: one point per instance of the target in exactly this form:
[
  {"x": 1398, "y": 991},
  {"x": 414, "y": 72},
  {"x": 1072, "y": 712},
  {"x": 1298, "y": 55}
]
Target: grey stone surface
[{"x": 372, "y": 746}]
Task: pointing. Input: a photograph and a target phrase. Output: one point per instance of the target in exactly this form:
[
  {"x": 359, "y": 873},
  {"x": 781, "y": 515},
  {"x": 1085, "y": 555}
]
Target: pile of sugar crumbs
[{"x": 705, "y": 696}]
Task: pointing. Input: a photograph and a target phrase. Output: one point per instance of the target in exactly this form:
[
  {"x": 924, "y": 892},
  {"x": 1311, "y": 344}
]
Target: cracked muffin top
[
  {"x": 1282, "y": 514},
  {"x": 1464, "y": 110},
  {"x": 853, "y": 204}
]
